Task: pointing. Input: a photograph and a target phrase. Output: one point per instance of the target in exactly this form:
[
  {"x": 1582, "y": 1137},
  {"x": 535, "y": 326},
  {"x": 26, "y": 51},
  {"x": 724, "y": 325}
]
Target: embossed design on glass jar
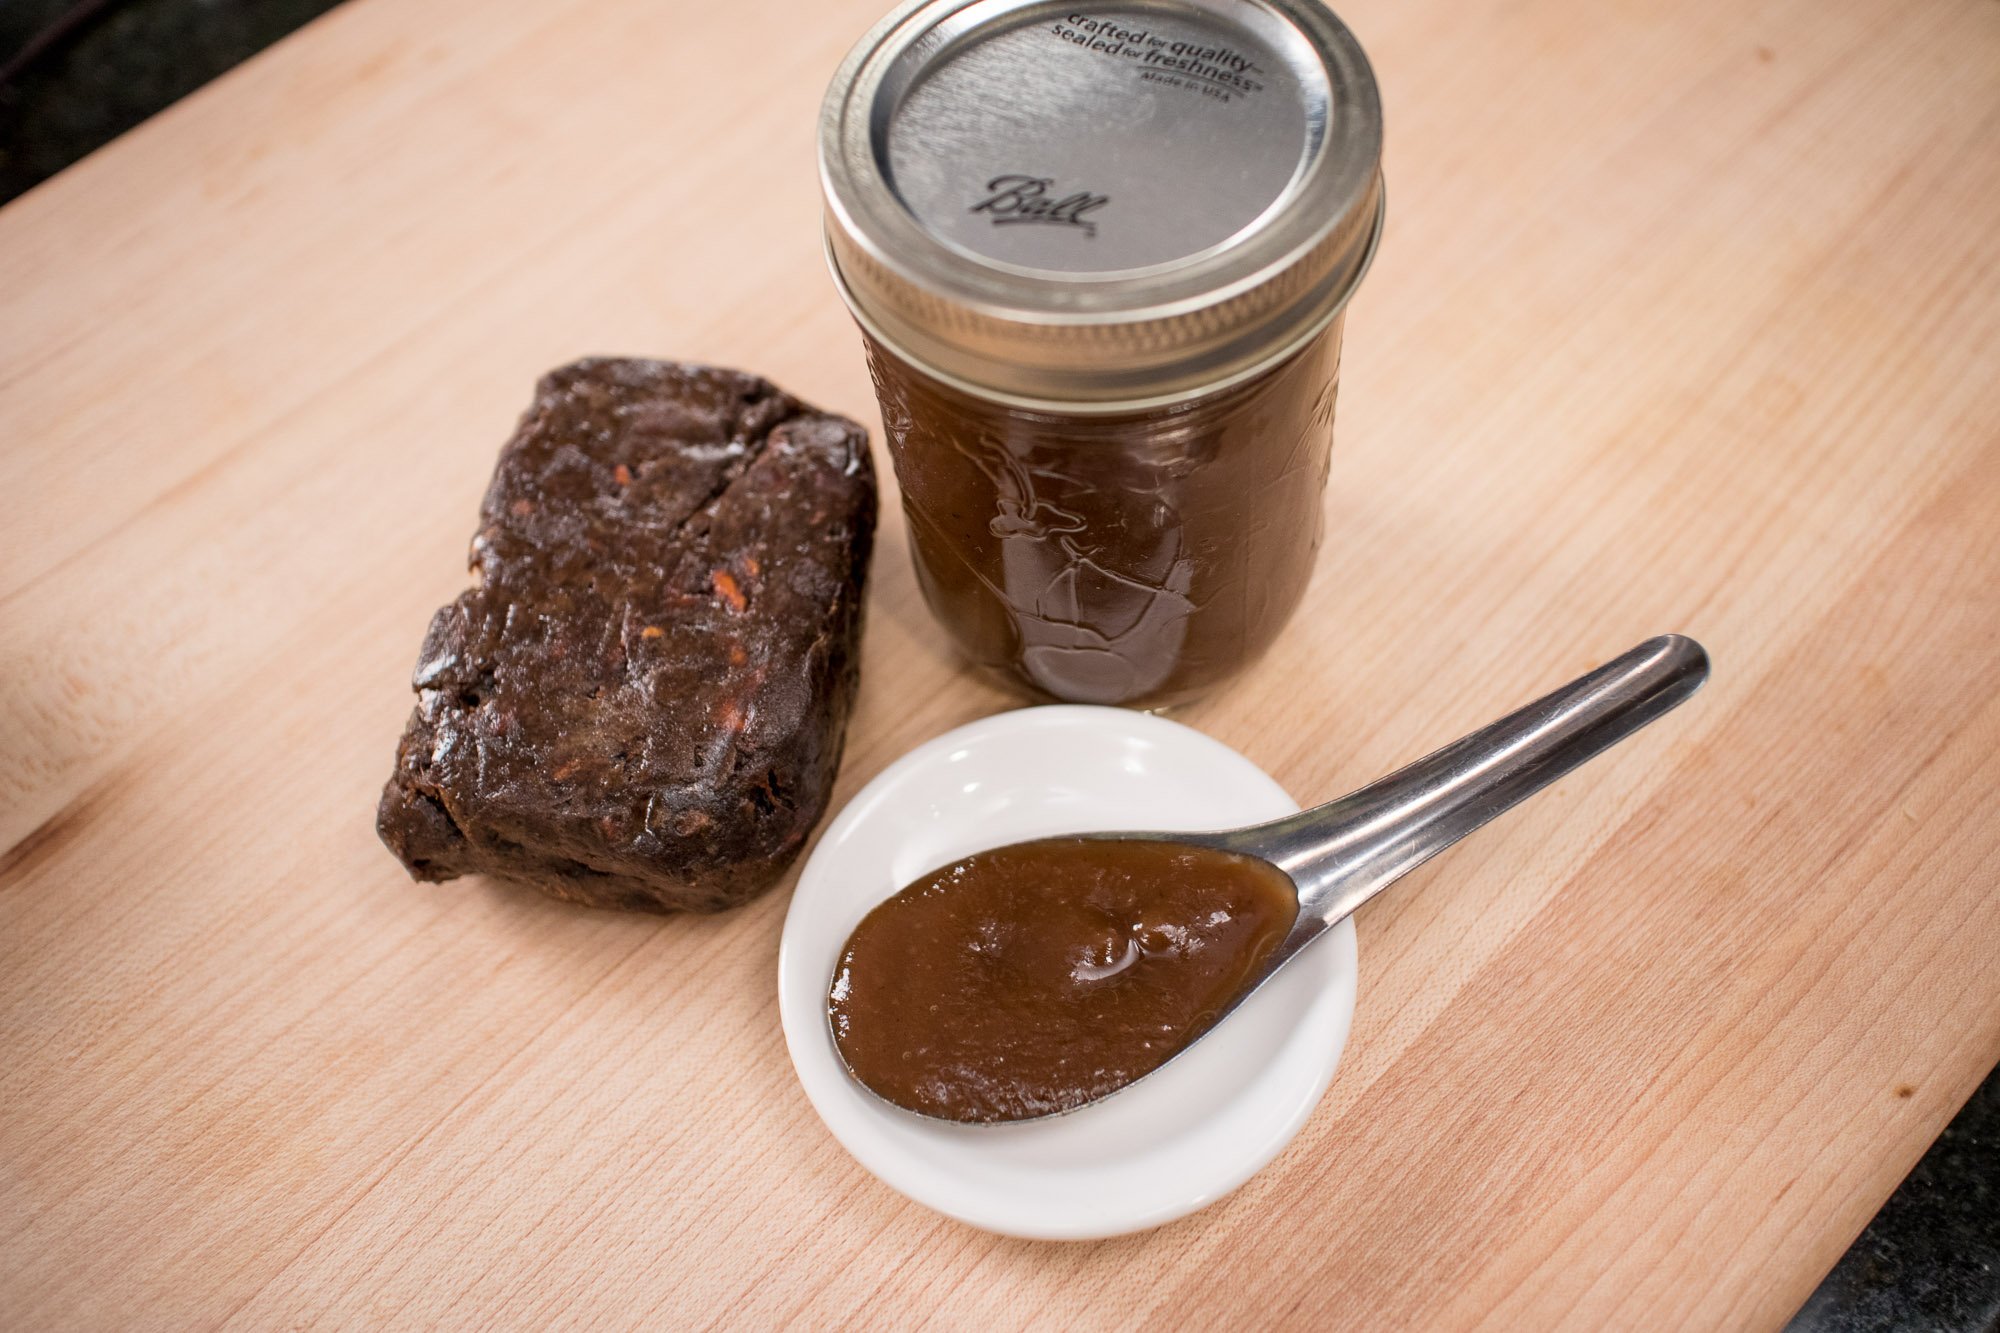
[{"x": 1137, "y": 559}]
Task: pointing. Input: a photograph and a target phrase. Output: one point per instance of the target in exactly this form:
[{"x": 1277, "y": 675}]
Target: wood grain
[{"x": 1686, "y": 318}]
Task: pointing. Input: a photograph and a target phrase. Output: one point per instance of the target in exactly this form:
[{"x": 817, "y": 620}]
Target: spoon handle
[{"x": 1345, "y": 852}]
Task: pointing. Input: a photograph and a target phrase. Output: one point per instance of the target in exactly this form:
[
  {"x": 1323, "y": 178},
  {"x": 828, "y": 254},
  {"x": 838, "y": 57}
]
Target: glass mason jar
[{"x": 1100, "y": 259}]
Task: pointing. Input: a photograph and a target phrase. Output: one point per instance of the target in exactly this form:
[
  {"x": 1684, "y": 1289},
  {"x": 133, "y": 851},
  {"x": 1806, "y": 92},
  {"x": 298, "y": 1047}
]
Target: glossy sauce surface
[
  {"x": 1035, "y": 978},
  {"x": 1137, "y": 558}
]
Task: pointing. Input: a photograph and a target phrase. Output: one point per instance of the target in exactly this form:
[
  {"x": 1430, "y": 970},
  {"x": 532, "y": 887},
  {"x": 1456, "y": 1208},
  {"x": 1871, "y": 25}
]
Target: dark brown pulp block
[{"x": 641, "y": 700}]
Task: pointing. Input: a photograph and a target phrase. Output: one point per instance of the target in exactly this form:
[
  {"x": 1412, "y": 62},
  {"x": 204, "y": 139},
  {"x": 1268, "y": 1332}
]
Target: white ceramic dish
[{"x": 1173, "y": 1143}]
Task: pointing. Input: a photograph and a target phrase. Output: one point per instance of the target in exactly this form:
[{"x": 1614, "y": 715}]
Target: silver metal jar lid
[{"x": 1101, "y": 208}]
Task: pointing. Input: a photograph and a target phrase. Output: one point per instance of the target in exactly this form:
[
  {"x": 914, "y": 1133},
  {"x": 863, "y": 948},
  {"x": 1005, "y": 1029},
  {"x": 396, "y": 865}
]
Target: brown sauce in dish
[{"x": 1035, "y": 978}]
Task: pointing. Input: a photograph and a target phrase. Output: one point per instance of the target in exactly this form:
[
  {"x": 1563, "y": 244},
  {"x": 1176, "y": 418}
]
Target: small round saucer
[{"x": 1168, "y": 1145}]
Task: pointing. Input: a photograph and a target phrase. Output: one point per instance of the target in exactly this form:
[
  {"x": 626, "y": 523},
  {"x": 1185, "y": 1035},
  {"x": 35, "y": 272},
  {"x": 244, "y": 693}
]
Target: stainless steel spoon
[{"x": 1341, "y": 854}]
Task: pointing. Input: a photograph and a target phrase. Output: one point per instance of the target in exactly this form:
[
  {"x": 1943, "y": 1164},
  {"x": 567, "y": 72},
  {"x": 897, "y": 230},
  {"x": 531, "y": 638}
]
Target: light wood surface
[{"x": 1686, "y": 319}]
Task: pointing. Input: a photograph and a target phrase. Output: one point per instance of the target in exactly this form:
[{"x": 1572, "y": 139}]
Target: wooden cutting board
[{"x": 1687, "y": 318}]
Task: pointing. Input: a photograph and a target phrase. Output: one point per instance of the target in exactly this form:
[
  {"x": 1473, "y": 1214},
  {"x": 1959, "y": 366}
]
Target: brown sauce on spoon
[{"x": 1035, "y": 978}]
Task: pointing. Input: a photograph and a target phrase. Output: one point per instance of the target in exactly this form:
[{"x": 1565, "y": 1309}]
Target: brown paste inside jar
[
  {"x": 1032, "y": 979},
  {"x": 1137, "y": 558}
]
